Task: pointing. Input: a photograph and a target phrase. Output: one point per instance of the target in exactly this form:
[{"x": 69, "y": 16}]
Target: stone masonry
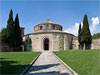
[
  {"x": 49, "y": 36},
  {"x": 57, "y": 41},
  {"x": 94, "y": 45}
]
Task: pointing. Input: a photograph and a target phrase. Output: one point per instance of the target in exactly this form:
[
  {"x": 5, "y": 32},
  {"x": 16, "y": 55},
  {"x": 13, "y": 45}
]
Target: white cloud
[
  {"x": 95, "y": 23},
  {"x": 74, "y": 28}
]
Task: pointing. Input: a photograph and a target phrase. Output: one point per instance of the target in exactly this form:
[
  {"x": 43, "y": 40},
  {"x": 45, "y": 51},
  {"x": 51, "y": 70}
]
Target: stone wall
[
  {"x": 4, "y": 47},
  {"x": 95, "y": 44},
  {"x": 22, "y": 31},
  {"x": 57, "y": 41},
  {"x": 75, "y": 44}
]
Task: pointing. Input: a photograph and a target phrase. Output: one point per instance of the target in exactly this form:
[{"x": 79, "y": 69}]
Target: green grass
[
  {"x": 84, "y": 62},
  {"x": 15, "y": 62}
]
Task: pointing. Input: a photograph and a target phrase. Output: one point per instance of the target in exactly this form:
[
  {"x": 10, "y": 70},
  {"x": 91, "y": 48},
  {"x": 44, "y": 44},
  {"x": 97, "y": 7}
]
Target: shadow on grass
[
  {"x": 10, "y": 67},
  {"x": 3, "y": 58}
]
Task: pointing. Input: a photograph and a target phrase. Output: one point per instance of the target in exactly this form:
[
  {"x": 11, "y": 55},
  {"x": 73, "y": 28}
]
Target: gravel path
[{"x": 48, "y": 64}]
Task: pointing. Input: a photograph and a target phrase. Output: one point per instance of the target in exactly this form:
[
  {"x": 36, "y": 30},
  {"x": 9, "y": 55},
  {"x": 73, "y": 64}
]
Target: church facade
[{"x": 47, "y": 36}]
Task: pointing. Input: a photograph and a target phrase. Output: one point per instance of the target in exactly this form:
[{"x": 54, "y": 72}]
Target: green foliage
[
  {"x": 18, "y": 37},
  {"x": 28, "y": 43},
  {"x": 84, "y": 62},
  {"x": 10, "y": 30},
  {"x": 79, "y": 34},
  {"x": 11, "y": 35},
  {"x": 86, "y": 34},
  {"x": 3, "y": 35},
  {"x": 14, "y": 63},
  {"x": 96, "y": 36}
]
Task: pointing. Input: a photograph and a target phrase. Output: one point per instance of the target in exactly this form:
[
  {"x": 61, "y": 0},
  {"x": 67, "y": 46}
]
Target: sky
[{"x": 68, "y": 13}]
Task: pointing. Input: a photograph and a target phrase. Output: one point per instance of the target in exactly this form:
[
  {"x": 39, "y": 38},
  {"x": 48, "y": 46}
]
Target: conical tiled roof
[
  {"x": 47, "y": 21},
  {"x": 47, "y": 25}
]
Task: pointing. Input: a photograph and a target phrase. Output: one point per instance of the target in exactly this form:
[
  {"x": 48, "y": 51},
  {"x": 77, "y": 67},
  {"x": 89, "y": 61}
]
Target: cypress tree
[
  {"x": 10, "y": 30},
  {"x": 79, "y": 35},
  {"x": 86, "y": 34},
  {"x": 17, "y": 32}
]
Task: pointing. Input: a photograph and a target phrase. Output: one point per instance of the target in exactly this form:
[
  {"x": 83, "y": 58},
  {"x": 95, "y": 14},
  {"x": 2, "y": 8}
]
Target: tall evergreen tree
[
  {"x": 17, "y": 32},
  {"x": 79, "y": 36},
  {"x": 86, "y": 34},
  {"x": 10, "y": 30}
]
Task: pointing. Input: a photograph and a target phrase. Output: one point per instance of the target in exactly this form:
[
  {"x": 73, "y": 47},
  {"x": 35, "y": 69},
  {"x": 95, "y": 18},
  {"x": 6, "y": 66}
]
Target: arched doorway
[{"x": 46, "y": 44}]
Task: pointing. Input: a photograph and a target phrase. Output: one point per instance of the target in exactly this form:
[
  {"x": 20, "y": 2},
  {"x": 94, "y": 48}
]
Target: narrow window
[
  {"x": 47, "y": 27},
  {"x": 53, "y": 27},
  {"x": 40, "y": 27}
]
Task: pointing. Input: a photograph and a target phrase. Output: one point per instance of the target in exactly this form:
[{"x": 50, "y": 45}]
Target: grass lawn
[
  {"x": 84, "y": 62},
  {"x": 15, "y": 62}
]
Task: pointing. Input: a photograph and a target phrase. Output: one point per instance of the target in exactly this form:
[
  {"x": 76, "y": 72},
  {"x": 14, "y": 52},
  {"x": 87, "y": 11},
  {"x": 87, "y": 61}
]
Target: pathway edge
[
  {"x": 28, "y": 67},
  {"x": 71, "y": 70}
]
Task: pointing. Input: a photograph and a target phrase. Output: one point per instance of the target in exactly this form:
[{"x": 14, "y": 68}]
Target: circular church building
[{"x": 48, "y": 36}]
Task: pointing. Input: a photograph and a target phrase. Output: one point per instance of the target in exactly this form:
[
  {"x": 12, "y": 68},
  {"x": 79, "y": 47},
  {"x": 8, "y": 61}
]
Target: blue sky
[{"x": 68, "y": 13}]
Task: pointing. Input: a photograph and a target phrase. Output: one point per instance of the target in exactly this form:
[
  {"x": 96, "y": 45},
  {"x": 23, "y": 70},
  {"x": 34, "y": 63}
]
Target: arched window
[
  {"x": 47, "y": 27},
  {"x": 40, "y": 27},
  {"x": 53, "y": 27}
]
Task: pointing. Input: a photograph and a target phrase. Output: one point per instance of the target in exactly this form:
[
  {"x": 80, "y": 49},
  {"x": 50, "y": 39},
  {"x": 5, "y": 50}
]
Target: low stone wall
[
  {"x": 95, "y": 44},
  {"x": 4, "y": 47},
  {"x": 75, "y": 44}
]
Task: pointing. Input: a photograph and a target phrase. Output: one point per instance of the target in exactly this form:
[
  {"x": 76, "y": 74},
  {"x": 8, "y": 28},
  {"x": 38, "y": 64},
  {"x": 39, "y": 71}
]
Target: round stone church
[{"x": 47, "y": 36}]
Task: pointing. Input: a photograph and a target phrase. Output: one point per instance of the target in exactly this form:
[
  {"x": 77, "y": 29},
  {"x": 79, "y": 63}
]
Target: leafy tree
[
  {"x": 17, "y": 32},
  {"x": 96, "y": 36},
  {"x": 10, "y": 30},
  {"x": 86, "y": 34},
  {"x": 3, "y": 35}
]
